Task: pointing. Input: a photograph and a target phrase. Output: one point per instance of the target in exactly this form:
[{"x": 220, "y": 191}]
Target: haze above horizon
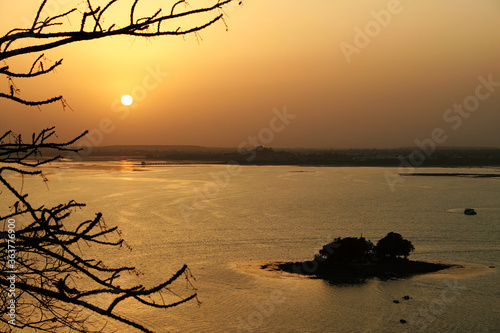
[{"x": 287, "y": 74}]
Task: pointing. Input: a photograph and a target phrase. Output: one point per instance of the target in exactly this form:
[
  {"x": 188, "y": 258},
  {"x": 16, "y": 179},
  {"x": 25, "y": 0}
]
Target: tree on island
[
  {"x": 349, "y": 249},
  {"x": 392, "y": 246},
  {"x": 55, "y": 287},
  {"x": 354, "y": 260},
  {"x": 354, "y": 249}
]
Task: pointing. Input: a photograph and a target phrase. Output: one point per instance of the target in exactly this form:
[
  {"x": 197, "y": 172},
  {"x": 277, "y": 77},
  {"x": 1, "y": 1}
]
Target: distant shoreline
[
  {"x": 138, "y": 162},
  {"x": 467, "y": 175},
  {"x": 401, "y": 157}
]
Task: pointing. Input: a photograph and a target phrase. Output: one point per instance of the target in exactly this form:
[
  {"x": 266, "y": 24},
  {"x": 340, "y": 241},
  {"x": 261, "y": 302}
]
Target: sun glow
[{"x": 127, "y": 100}]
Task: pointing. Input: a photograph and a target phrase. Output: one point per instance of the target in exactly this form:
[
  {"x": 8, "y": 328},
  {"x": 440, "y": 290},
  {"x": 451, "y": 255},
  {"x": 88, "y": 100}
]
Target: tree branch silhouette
[
  {"x": 54, "y": 282},
  {"x": 38, "y": 37},
  {"x": 57, "y": 286}
]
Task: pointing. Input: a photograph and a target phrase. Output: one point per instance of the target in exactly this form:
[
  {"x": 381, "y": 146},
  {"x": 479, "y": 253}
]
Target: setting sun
[{"x": 127, "y": 100}]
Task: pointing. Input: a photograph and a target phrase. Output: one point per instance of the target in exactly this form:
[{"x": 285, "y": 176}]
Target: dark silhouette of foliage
[
  {"x": 346, "y": 249},
  {"x": 393, "y": 245},
  {"x": 354, "y": 260}
]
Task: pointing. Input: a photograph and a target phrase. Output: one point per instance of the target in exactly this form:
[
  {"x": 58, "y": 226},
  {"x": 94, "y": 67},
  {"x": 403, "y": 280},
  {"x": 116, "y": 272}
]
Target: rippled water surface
[{"x": 226, "y": 221}]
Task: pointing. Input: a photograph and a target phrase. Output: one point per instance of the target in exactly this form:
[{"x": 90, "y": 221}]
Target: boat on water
[{"x": 469, "y": 211}]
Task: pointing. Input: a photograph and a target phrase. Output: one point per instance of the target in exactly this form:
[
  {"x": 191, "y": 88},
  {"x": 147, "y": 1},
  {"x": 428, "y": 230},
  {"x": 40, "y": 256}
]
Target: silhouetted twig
[
  {"x": 37, "y": 38},
  {"x": 54, "y": 283}
]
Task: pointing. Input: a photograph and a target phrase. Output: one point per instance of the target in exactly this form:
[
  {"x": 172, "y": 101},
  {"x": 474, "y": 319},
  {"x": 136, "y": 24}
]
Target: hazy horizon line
[{"x": 310, "y": 148}]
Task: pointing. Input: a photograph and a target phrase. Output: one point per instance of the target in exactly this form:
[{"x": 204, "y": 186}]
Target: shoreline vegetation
[
  {"x": 150, "y": 155},
  {"x": 354, "y": 260}
]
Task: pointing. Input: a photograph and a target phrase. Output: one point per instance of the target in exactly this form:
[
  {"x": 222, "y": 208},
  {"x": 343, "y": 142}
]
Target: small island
[{"x": 354, "y": 260}]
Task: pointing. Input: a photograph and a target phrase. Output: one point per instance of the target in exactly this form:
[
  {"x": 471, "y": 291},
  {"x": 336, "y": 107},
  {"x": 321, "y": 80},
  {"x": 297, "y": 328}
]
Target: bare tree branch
[
  {"x": 54, "y": 283},
  {"x": 37, "y": 38},
  {"x": 56, "y": 286},
  {"x": 35, "y": 22},
  {"x": 30, "y": 103},
  {"x": 5, "y": 70}
]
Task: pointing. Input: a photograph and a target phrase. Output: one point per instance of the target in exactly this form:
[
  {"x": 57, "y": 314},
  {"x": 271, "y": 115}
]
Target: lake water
[{"x": 225, "y": 222}]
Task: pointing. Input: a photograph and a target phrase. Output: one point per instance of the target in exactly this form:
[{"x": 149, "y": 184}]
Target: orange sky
[{"x": 385, "y": 89}]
